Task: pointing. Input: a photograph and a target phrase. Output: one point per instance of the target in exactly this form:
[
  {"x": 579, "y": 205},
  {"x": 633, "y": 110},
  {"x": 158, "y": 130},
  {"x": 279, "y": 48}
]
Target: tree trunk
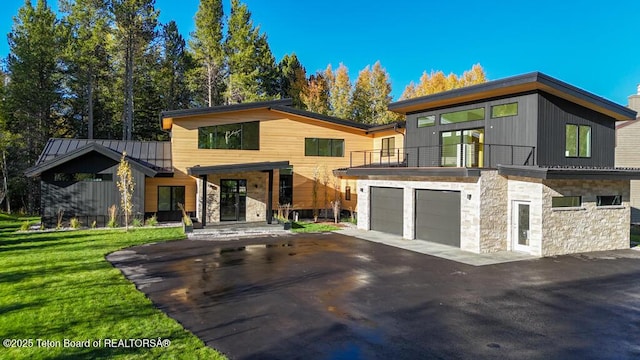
[
  {"x": 90, "y": 105},
  {"x": 5, "y": 183}
]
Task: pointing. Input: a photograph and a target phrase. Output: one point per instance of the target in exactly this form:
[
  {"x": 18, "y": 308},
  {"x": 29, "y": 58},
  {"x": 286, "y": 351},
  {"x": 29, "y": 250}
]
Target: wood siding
[
  {"x": 282, "y": 138},
  {"x": 628, "y": 155}
]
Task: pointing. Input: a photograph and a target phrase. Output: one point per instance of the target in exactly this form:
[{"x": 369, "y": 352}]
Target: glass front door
[
  {"x": 233, "y": 200},
  {"x": 521, "y": 226}
]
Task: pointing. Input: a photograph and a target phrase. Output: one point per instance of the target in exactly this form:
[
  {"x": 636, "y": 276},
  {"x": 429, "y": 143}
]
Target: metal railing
[{"x": 473, "y": 155}]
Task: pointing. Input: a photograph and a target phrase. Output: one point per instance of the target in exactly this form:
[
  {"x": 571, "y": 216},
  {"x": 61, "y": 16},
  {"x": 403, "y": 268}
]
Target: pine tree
[
  {"x": 250, "y": 61},
  {"x": 292, "y": 80},
  {"x": 175, "y": 64},
  {"x": 86, "y": 58},
  {"x": 33, "y": 93},
  {"x": 208, "y": 78},
  {"x": 135, "y": 21},
  {"x": 340, "y": 93}
]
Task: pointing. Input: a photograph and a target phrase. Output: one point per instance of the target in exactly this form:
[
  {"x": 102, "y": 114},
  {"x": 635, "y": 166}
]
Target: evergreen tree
[
  {"x": 33, "y": 93},
  {"x": 135, "y": 22},
  {"x": 340, "y": 93},
  {"x": 86, "y": 59},
  {"x": 206, "y": 41},
  {"x": 292, "y": 81},
  {"x": 176, "y": 63},
  {"x": 315, "y": 95}
]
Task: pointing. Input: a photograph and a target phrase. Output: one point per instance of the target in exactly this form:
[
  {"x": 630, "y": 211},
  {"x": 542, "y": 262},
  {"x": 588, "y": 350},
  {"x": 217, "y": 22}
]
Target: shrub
[
  {"x": 60, "y": 214},
  {"x": 74, "y": 223},
  {"x": 25, "y": 226},
  {"x": 94, "y": 224},
  {"x": 113, "y": 210},
  {"x": 136, "y": 222},
  {"x": 152, "y": 221}
]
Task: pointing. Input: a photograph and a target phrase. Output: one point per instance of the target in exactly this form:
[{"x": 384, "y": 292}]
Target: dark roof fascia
[
  {"x": 569, "y": 173},
  {"x": 114, "y": 155},
  {"x": 384, "y": 127},
  {"x": 515, "y": 81},
  {"x": 326, "y": 118},
  {"x": 410, "y": 171},
  {"x": 220, "y": 169},
  {"x": 225, "y": 108}
]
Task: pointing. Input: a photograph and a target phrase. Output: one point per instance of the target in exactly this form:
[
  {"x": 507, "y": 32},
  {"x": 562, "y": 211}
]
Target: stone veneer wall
[
  {"x": 493, "y": 212},
  {"x": 527, "y": 190},
  {"x": 588, "y": 228},
  {"x": 256, "y": 195},
  {"x": 469, "y": 208}
]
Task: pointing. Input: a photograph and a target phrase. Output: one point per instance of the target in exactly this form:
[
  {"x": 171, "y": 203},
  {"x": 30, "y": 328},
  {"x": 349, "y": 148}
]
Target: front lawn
[
  {"x": 58, "y": 285},
  {"x": 306, "y": 227}
]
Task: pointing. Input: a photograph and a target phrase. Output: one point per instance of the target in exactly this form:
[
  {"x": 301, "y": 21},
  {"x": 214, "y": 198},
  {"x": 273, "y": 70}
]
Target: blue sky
[{"x": 593, "y": 45}]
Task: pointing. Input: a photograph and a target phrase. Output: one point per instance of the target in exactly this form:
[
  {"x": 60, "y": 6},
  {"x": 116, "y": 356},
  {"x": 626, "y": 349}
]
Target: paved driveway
[{"x": 329, "y": 296}]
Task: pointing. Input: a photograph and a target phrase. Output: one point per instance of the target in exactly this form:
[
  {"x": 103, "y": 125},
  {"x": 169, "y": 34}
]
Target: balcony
[{"x": 473, "y": 155}]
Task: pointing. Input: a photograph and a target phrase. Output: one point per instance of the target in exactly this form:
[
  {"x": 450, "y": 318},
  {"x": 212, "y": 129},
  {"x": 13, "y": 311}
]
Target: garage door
[
  {"x": 438, "y": 216},
  {"x": 386, "y": 207}
]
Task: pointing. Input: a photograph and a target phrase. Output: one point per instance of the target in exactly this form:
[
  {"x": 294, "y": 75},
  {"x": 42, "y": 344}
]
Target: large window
[
  {"x": 566, "y": 201},
  {"x": 424, "y": 121},
  {"x": 578, "y": 141},
  {"x": 463, "y": 148},
  {"x": 323, "y": 147},
  {"x": 169, "y": 197},
  {"x": 388, "y": 146},
  {"x": 462, "y": 116},
  {"x": 510, "y": 109},
  {"x": 243, "y": 136}
]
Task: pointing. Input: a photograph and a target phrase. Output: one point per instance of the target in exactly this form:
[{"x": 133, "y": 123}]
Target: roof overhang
[
  {"x": 92, "y": 147},
  {"x": 570, "y": 173},
  {"x": 531, "y": 82},
  {"x": 221, "y": 169},
  {"x": 413, "y": 171}
]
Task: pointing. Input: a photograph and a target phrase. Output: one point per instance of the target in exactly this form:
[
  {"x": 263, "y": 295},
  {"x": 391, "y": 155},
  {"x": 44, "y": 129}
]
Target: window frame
[
  {"x": 493, "y": 116},
  {"x": 215, "y": 134},
  {"x": 447, "y": 122},
  {"x": 617, "y": 200},
  {"x": 332, "y": 145},
  {"x": 566, "y": 206},
  {"x": 575, "y": 151},
  {"x": 389, "y": 149},
  {"x": 431, "y": 121},
  {"x": 173, "y": 204}
]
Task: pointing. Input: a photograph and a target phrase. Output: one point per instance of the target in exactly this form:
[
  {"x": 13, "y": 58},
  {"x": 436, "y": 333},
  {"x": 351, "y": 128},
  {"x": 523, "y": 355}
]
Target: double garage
[{"x": 437, "y": 213}]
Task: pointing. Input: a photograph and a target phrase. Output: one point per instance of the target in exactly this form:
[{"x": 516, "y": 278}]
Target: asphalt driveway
[{"x": 329, "y": 296}]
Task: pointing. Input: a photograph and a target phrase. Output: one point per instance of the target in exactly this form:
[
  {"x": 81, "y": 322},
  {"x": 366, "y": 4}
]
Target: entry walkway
[
  {"x": 237, "y": 230},
  {"x": 437, "y": 250}
]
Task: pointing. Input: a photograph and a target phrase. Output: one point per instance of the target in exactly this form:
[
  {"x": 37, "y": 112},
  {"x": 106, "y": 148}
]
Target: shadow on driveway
[{"x": 330, "y": 296}]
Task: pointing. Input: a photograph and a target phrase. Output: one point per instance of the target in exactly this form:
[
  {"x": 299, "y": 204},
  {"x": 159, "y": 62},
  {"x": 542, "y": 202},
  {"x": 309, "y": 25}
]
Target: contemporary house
[
  {"x": 525, "y": 163},
  {"x": 627, "y": 153},
  {"x": 225, "y": 163}
]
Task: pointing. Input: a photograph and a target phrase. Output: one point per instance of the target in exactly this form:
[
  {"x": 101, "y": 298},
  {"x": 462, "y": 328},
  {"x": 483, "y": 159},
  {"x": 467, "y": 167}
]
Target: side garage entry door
[
  {"x": 386, "y": 207},
  {"x": 438, "y": 216}
]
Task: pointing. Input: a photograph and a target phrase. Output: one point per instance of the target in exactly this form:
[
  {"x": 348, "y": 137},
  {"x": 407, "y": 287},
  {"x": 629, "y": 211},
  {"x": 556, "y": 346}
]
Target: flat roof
[
  {"x": 535, "y": 81},
  {"x": 570, "y": 172},
  {"x": 241, "y": 167}
]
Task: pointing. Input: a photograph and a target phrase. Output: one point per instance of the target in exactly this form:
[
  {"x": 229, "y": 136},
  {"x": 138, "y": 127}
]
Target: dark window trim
[
  {"x": 484, "y": 115},
  {"x": 616, "y": 200},
  {"x": 215, "y": 129},
  {"x": 556, "y": 206},
  {"x": 501, "y": 116},
  {"x": 577, "y": 156},
  {"x": 173, "y": 204},
  {"x": 389, "y": 151},
  {"x": 82, "y": 177},
  {"x": 433, "y": 117},
  {"x": 317, "y": 149}
]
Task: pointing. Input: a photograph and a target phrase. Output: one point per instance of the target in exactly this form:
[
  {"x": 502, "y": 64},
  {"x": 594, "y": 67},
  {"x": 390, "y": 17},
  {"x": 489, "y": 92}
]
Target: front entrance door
[
  {"x": 521, "y": 224},
  {"x": 233, "y": 200}
]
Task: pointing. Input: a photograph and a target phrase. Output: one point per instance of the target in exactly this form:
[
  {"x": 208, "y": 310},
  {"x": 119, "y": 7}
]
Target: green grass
[
  {"x": 58, "y": 285},
  {"x": 307, "y": 227}
]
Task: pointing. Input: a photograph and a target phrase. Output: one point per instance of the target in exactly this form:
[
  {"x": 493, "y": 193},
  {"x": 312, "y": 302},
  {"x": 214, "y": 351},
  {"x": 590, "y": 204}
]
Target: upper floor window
[
  {"x": 323, "y": 147},
  {"x": 424, "y": 121},
  {"x": 462, "y": 116},
  {"x": 242, "y": 136},
  {"x": 578, "y": 141},
  {"x": 498, "y": 111},
  {"x": 388, "y": 146}
]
